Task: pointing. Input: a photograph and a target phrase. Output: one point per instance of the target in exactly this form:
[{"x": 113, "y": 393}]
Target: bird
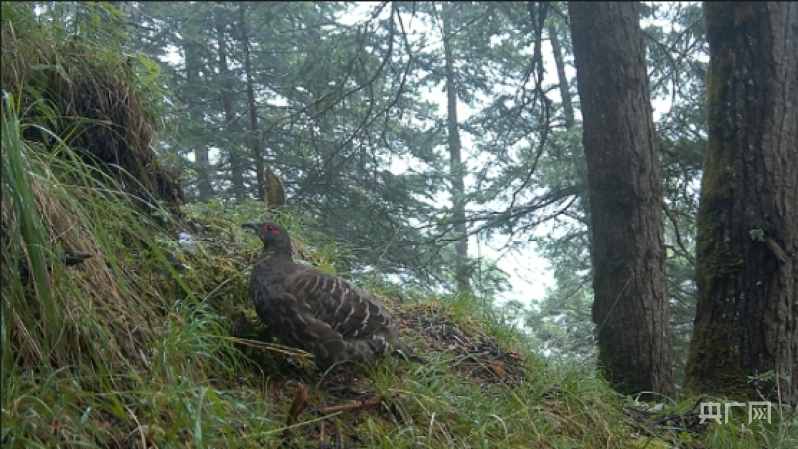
[{"x": 338, "y": 323}]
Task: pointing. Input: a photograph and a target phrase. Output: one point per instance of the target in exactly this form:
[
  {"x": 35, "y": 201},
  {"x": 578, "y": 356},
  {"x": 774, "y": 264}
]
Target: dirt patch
[{"x": 477, "y": 356}]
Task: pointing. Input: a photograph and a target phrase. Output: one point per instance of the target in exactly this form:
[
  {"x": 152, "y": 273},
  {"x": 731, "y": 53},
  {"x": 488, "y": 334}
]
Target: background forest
[
  {"x": 353, "y": 108},
  {"x": 412, "y": 147}
]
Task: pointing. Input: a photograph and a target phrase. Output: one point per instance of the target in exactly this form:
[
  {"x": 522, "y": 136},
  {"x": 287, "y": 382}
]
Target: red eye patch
[{"x": 270, "y": 228}]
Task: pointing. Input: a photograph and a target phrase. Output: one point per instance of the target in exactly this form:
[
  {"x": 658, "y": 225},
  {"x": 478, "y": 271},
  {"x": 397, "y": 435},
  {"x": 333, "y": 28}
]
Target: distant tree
[
  {"x": 229, "y": 97},
  {"x": 745, "y": 341},
  {"x": 192, "y": 83},
  {"x": 252, "y": 106},
  {"x": 286, "y": 94},
  {"x": 562, "y": 320},
  {"x": 630, "y": 305},
  {"x": 564, "y": 86},
  {"x": 474, "y": 52},
  {"x": 457, "y": 168}
]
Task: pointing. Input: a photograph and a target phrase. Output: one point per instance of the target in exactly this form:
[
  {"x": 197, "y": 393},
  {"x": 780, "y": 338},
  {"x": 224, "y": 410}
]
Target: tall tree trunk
[
  {"x": 226, "y": 96},
  {"x": 565, "y": 93},
  {"x": 630, "y": 307},
  {"x": 456, "y": 168},
  {"x": 747, "y": 245},
  {"x": 201, "y": 160},
  {"x": 203, "y": 166},
  {"x": 257, "y": 151}
]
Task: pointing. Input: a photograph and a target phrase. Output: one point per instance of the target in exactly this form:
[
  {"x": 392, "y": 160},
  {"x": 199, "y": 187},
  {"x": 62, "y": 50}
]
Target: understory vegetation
[
  {"x": 153, "y": 342},
  {"x": 126, "y": 319}
]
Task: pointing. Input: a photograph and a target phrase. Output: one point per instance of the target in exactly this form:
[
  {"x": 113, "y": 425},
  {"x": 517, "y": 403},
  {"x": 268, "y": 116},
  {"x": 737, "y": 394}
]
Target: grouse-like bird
[{"x": 317, "y": 312}]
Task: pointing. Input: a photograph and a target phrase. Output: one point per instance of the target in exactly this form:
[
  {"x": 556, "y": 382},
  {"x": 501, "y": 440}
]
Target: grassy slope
[
  {"x": 152, "y": 344},
  {"x": 116, "y": 353}
]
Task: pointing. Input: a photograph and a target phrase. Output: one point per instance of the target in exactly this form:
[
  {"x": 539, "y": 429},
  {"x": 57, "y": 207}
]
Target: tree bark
[
  {"x": 746, "y": 324},
  {"x": 630, "y": 307},
  {"x": 455, "y": 159}
]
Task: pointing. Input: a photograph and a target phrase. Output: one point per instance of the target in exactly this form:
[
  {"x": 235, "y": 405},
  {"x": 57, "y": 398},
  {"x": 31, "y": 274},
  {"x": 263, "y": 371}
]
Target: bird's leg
[
  {"x": 333, "y": 380},
  {"x": 348, "y": 380},
  {"x": 408, "y": 357},
  {"x": 324, "y": 377}
]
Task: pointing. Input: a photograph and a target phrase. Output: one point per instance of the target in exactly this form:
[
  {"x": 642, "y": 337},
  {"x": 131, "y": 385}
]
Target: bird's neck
[{"x": 273, "y": 255}]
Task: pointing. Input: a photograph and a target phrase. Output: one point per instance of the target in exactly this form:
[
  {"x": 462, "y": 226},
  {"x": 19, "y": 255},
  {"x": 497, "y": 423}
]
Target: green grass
[
  {"x": 97, "y": 356},
  {"x": 124, "y": 351},
  {"x": 119, "y": 354}
]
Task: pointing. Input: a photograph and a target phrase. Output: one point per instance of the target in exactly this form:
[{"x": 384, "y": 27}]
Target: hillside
[
  {"x": 153, "y": 342},
  {"x": 127, "y": 322}
]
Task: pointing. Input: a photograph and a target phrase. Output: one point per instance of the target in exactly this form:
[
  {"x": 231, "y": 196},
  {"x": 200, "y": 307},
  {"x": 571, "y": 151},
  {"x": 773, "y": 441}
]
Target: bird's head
[{"x": 274, "y": 237}]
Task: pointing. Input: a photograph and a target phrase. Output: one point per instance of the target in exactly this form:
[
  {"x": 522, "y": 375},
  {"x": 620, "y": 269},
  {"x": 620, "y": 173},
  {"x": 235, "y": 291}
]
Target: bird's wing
[
  {"x": 347, "y": 309},
  {"x": 297, "y": 326}
]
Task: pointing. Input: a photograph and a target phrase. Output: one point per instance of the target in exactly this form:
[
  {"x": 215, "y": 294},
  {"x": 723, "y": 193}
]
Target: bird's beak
[{"x": 251, "y": 225}]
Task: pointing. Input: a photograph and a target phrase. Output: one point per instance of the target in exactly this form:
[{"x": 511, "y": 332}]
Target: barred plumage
[{"x": 317, "y": 312}]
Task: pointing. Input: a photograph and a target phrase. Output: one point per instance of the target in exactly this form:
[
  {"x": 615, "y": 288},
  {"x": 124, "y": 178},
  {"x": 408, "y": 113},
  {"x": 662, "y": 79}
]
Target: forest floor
[
  {"x": 150, "y": 339},
  {"x": 126, "y": 319}
]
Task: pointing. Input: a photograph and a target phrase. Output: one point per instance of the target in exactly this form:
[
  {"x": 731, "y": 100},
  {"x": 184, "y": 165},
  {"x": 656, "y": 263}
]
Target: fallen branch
[{"x": 351, "y": 406}]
